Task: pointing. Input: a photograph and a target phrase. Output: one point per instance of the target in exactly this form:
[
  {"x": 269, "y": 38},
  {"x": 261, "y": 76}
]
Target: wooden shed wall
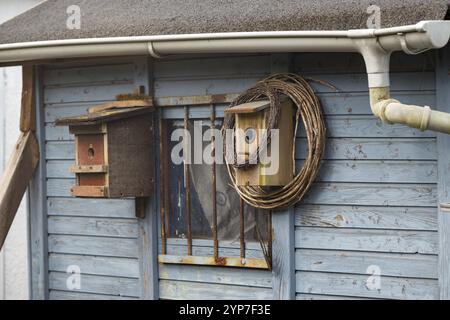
[{"x": 374, "y": 203}]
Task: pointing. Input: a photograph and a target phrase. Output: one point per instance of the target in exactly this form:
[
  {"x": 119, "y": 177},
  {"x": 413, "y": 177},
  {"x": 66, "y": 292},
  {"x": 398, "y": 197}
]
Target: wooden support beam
[
  {"x": 28, "y": 110},
  {"x": 15, "y": 179}
]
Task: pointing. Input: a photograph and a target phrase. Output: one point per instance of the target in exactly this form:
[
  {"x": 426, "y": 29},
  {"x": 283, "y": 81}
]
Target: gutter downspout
[
  {"x": 375, "y": 45},
  {"x": 376, "y": 53}
]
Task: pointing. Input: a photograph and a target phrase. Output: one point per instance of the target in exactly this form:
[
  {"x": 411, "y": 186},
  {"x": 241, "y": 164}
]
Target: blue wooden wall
[
  {"x": 374, "y": 205},
  {"x": 374, "y": 202},
  {"x": 99, "y": 236}
]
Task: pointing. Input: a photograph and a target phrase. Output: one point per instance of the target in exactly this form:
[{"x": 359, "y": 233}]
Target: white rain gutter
[{"x": 375, "y": 45}]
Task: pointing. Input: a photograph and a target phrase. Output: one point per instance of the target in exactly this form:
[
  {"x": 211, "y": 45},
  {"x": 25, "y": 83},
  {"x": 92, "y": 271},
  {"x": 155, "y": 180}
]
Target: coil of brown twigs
[{"x": 310, "y": 112}]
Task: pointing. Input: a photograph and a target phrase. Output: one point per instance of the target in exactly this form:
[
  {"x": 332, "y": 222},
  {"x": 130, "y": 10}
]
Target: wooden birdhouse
[
  {"x": 251, "y": 123},
  {"x": 114, "y": 150}
]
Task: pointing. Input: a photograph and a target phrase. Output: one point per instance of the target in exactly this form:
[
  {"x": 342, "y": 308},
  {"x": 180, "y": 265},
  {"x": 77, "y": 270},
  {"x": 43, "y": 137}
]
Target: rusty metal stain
[{"x": 211, "y": 261}]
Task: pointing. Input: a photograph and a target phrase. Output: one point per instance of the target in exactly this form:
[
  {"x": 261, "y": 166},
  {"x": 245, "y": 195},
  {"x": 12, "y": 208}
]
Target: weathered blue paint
[{"x": 374, "y": 202}]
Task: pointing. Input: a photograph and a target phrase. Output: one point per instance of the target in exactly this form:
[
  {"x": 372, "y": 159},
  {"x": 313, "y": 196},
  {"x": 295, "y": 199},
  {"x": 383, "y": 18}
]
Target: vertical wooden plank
[
  {"x": 283, "y": 245},
  {"x": 443, "y": 142},
  {"x": 148, "y": 226},
  {"x": 37, "y": 209},
  {"x": 28, "y": 110}
]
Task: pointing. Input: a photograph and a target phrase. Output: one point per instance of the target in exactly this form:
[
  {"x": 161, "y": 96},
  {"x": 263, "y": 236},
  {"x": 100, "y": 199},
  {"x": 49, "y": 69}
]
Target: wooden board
[
  {"x": 391, "y": 264},
  {"x": 76, "y": 295},
  {"x": 249, "y": 107},
  {"x": 397, "y": 241},
  {"x": 123, "y": 287},
  {"x": 356, "y": 286},
  {"x": 108, "y": 227},
  {"x": 96, "y": 246},
  {"x": 106, "y": 115},
  {"x": 443, "y": 141},
  {"x": 28, "y": 109},
  {"x": 181, "y": 290},
  {"x": 219, "y": 275},
  {"x": 102, "y": 266},
  {"x": 89, "y": 191},
  {"x": 369, "y": 217},
  {"x": 15, "y": 180}
]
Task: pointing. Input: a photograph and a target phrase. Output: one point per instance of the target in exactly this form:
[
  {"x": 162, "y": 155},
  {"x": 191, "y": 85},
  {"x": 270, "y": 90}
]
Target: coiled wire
[{"x": 310, "y": 111}]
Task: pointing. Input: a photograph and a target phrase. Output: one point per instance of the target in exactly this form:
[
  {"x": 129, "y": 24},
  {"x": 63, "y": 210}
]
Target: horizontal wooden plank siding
[
  {"x": 182, "y": 290},
  {"x": 372, "y": 212},
  {"x": 356, "y": 285},
  {"x": 122, "y": 287},
  {"x": 76, "y": 295},
  {"x": 97, "y": 236}
]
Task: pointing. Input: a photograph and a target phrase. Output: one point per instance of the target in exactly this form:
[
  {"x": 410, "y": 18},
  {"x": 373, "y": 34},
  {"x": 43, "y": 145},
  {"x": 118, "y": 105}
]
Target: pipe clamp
[
  {"x": 383, "y": 105},
  {"x": 426, "y": 116}
]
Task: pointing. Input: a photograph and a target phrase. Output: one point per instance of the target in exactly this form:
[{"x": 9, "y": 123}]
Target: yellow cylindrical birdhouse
[{"x": 275, "y": 163}]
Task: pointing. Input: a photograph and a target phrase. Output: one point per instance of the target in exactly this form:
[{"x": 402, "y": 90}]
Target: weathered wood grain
[
  {"x": 384, "y": 171},
  {"x": 308, "y": 296},
  {"x": 371, "y": 217},
  {"x": 123, "y": 287},
  {"x": 372, "y": 194},
  {"x": 356, "y": 286},
  {"x": 219, "y": 275},
  {"x": 28, "y": 103},
  {"x": 121, "y": 228},
  {"x": 182, "y": 290},
  {"x": 63, "y": 150},
  {"x": 97, "y": 246},
  {"x": 373, "y": 149},
  {"x": 113, "y": 208},
  {"x": 37, "y": 210},
  {"x": 390, "y": 264},
  {"x": 72, "y": 295},
  {"x": 443, "y": 141},
  {"x": 59, "y": 187},
  {"x": 83, "y": 75},
  {"x": 396, "y": 241},
  {"x": 83, "y": 93},
  {"x": 93, "y": 265},
  {"x": 361, "y": 126},
  {"x": 15, "y": 179}
]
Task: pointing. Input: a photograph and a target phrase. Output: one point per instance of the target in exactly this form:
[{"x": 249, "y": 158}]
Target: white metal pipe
[{"x": 417, "y": 36}]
